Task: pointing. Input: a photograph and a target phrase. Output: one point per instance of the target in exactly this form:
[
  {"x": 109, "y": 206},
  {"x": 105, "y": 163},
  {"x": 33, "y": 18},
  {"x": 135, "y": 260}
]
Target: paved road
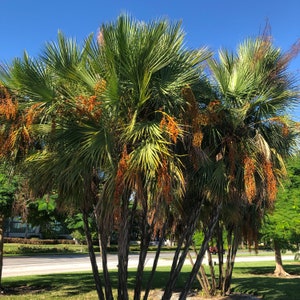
[{"x": 50, "y": 264}]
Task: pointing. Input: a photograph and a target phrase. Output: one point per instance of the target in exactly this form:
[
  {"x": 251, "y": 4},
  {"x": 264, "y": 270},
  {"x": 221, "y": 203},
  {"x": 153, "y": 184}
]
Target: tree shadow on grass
[
  {"x": 67, "y": 284},
  {"x": 261, "y": 281},
  {"x": 77, "y": 283},
  {"x": 248, "y": 280}
]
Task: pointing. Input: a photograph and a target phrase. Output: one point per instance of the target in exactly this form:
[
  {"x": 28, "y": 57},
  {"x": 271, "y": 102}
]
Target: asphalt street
[{"x": 51, "y": 264}]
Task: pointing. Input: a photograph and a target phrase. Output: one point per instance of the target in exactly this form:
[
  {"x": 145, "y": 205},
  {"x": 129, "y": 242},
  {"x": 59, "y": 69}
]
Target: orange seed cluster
[
  {"x": 8, "y": 107},
  {"x": 164, "y": 181},
  {"x": 270, "y": 179},
  {"x": 171, "y": 126},
  {"x": 250, "y": 186}
]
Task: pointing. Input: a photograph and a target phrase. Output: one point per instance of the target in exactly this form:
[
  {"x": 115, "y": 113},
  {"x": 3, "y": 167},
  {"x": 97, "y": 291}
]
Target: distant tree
[
  {"x": 44, "y": 212},
  {"x": 281, "y": 227}
]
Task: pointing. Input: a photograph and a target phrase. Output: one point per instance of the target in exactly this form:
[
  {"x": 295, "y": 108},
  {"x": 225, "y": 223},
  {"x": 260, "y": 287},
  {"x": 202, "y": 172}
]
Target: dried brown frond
[
  {"x": 288, "y": 56},
  {"x": 214, "y": 112},
  {"x": 281, "y": 121},
  {"x": 119, "y": 182},
  {"x": 151, "y": 216},
  {"x": 262, "y": 49},
  {"x": 189, "y": 96},
  {"x": 265, "y": 39},
  {"x": 157, "y": 229},
  {"x": 232, "y": 154},
  {"x": 100, "y": 38}
]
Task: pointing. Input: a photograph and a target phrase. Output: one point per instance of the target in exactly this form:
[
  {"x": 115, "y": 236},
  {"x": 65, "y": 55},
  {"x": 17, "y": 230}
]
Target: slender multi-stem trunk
[
  {"x": 207, "y": 236},
  {"x": 145, "y": 241},
  {"x": 123, "y": 247},
  {"x": 107, "y": 281},
  {"x": 220, "y": 246},
  {"x": 149, "y": 282},
  {"x": 1, "y": 246},
  {"x": 201, "y": 275},
  {"x": 228, "y": 258},
  {"x": 279, "y": 270},
  {"x": 146, "y": 230},
  {"x": 185, "y": 239},
  {"x": 103, "y": 236},
  {"x": 213, "y": 289},
  {"x": 92, "y": 256},
  {"x": 233, "y": 238}
]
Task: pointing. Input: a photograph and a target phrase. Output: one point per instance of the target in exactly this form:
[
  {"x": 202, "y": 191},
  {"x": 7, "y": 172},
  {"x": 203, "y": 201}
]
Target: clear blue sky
[{"x": 28, "y": 24}]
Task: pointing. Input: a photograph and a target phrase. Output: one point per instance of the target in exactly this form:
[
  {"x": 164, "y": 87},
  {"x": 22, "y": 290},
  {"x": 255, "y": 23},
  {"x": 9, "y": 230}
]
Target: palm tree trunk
[
  {"x": 123, "y": 248},
  {"x": 146, "y": 230},
  {"x": 279, "y": 270},
  {"x": 103, "y": 236},
  {"x": 220, "y": 246},
  {"x": 201, "y": 253},
  {"x": 233, "y": 239},
  {"x": 149, "y": 283},
  {"x": 1, "y": 246},
  {"x": 107, "y": 281},
  {"x": 213, "y": 289},
  {"x": 145, "y": 241},
  {"x": 201, "y": 276},
  {"x": 179, "y": 261},
  {"x": 92, "y": 256}
]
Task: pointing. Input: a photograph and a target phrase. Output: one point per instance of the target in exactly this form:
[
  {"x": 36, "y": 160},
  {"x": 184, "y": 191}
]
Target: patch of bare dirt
[
  {"x": 156, "y": 295},
  {"x": 21, "y": 290},
  {"x": 287, "y": 276}
]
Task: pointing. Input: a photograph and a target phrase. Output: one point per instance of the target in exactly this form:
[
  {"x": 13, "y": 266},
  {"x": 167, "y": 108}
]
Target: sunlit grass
[{"x": 257, "y": 278}]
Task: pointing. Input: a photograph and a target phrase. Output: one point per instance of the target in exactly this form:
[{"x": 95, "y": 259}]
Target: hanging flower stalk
[
  {"x": 8, "y": 107},
  {"x": 164, "y": 182},
  {"x": 271, "y": 183},
  {"x": 249, "y": 179},
  {"x": 170, "y": 125},
  {"x": 120, "y": 182}
]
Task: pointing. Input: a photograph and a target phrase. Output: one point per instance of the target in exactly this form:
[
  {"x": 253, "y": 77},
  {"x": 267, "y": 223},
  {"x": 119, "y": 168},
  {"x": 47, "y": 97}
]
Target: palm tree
[
  {"x": 111, "y": 111},
  {"x": 41, "y": 85},
  {"x": 146, "y": 68},
  {"x": 247, "y": 132}
]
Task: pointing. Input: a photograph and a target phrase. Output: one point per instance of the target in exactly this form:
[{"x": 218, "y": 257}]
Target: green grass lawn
[
  {"x": 253, "y": 278},
  {"x": 257, "y": 278}
]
